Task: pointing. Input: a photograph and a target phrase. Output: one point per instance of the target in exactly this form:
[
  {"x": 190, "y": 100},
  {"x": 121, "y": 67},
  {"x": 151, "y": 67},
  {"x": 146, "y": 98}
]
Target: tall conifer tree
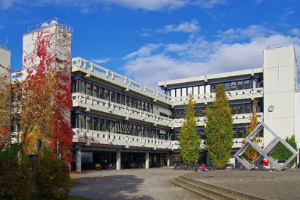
[
  {"x": 218, "y": 130},
  {"x": 251, "y": 153},
  {"x": 189, "y": 140}
]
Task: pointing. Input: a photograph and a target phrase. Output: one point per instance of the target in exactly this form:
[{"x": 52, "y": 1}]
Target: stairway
[{"x": 210, "y": 192}]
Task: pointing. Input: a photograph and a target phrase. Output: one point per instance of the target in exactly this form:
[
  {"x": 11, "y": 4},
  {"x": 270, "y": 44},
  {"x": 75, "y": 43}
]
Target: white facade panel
[
  {"x": 297, "y": 118},
  {"x": 178, "y": 92},
  {"x": 4, "y": 59},
  {"x": 201, "y": 89},
  {"x": 190, "y": 90},
  {"x": 196, "y": 90},
  {"x": 173, "y": 93},
  {"x": 207, "y": 89},
  {"x": 184, "y": 92}
]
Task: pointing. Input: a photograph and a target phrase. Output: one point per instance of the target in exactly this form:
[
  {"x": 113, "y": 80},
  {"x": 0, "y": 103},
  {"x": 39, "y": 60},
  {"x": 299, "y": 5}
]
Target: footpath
[{"x": 265, "y": 184}]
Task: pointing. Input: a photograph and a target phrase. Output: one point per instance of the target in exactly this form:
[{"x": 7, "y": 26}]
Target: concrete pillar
[
  {"x": 109, "y": 157},
  {"x": 118, "y": 160},
  {"x": 147, "y": 161},
  {"x": 168, "y": 159},
  {"x": 78, "y": 160}
]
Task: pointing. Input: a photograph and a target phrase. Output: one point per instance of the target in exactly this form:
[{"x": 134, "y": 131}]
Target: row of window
[
  {"x": 237, "y": 85},
  {"x": 238, "y": 133},
  {"x": 211, "y": 87},
  {"x": 110, "y": 95},
  {"x": 117, "y": 97},
  {"x": 117, "y": 126},
  {"x": 236, "y": 109}
]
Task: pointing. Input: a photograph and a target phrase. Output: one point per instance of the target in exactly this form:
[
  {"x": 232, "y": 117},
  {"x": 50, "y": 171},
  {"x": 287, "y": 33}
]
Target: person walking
[{"x": 196, "y": 165}]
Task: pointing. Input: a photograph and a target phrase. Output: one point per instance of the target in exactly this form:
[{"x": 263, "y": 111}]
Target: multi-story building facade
[{"x": 119, "y": 122}]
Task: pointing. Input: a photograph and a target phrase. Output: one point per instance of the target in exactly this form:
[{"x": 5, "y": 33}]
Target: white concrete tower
[
  {"x": 48, "y": 43},
  {"x": 280, "y": 80}
]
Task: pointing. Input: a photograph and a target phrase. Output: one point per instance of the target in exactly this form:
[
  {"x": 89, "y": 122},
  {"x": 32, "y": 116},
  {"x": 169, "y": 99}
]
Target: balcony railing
[
  {"x": 90, "y": 137},
  {"x": 94, "y": 103}
]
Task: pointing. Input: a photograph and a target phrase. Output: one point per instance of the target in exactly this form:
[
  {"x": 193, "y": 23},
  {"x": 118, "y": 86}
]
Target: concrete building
[
  {"x": 5, "y": 55},
  {"x": 120, "y": 123}
]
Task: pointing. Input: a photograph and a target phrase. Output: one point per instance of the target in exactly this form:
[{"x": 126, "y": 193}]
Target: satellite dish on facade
[
  {"x": 53, "y": 23},
  {"x": 44, "y": 25}
]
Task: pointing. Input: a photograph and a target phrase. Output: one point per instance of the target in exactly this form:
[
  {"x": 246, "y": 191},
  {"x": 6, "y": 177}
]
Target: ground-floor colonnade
[{"x": 89, "y": 158}]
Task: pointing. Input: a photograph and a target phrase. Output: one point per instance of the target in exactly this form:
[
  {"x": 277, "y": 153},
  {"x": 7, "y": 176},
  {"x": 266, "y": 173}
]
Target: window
[
  {"x": 96, "y": 91},
  {"x": 150, "y": 108},
  {"x": 118, "y": 97},
  {"x": 106, "y": 94},
  {"x": 247, "y": 84},
  {"x": 112, "y": 96},
  {"x": 82, "y": 121},
  {"x": 233, "y": 85},
  {"x": 127, "y": 100},
  {"x": 101, "y": 93},
  {"x": 227, "y": 86},
  {"x": 82, "y": 87},
  {"x": 107, "y": 125},
  {"x": 102, "y": 124},
  {"x": 96, "y": 124},
  {"x": 89, "y": 122},
  {"x": 234, "y": 109},
  {"x": 247, "y": 108},
  {"x": 145, "y": 106},
  {"x": 74, "y": 121},
  {"x": 213, "y": 88},
  {"x": 239, "y": 109},
  {"x": 123, "y": 99},
  {"x": 88, "y": 89},
  {"x": 112, "y": 127},
  {"x": 240, "y": 133},
  {"x": 240, "y": 85},
  {"x": 74, "y": 86}
]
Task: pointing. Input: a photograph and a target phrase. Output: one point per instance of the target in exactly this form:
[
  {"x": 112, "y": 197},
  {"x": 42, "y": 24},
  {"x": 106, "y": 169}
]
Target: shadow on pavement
[{"x": 109, "y": 187}]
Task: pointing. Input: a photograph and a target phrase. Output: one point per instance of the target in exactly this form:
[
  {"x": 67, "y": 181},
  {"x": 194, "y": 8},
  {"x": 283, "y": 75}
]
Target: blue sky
[{"x": 156, "y": 40}]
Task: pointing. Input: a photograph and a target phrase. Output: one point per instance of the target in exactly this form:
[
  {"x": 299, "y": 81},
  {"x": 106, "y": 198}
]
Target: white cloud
[
  {"x": 145, "y": 34},
  {"x": 200, "y": 57},
  {"x": 92, "y": 5},
  {"x": 6, "y": 4},
  {"x": 247, "y": 33},
  {"x": 142, "y": 52},
  {"x": 295, "y": 32},
  {"x": 188, "y": 27},
  {"x": 209, "y": 3},
  {"x": 100, "y": 61},
  {"x": 151, "y": 4}
]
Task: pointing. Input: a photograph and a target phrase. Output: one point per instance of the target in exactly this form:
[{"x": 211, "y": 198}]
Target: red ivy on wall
[{"x": 48, "y": 89}]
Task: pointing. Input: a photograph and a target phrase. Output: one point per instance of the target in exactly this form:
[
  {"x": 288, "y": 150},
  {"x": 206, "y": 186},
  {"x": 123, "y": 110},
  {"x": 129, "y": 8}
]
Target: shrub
[
  {"x": 51, "y": 177},
  {"x": 15, "y": 175}
]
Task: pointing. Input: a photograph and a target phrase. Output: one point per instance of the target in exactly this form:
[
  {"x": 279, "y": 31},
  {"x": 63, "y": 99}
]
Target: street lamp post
[{"x": 57, "y": 145}]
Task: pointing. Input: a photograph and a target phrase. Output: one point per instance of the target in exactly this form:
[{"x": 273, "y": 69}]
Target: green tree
[
  {"x": 283, "y": 153},
  {"x": 218, "y": 130},
  {"x": 251, "y": 153},
  {"x": 189, "y": 140}
]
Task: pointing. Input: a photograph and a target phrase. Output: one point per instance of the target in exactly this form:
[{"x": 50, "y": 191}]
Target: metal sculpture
[{"x": 264, "y": 153}]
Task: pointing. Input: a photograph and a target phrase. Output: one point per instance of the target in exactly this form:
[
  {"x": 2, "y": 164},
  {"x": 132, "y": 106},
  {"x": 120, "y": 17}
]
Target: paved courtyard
[
  {"x": 154, "y": 183},
  {"x": 130, "y": 184}
]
